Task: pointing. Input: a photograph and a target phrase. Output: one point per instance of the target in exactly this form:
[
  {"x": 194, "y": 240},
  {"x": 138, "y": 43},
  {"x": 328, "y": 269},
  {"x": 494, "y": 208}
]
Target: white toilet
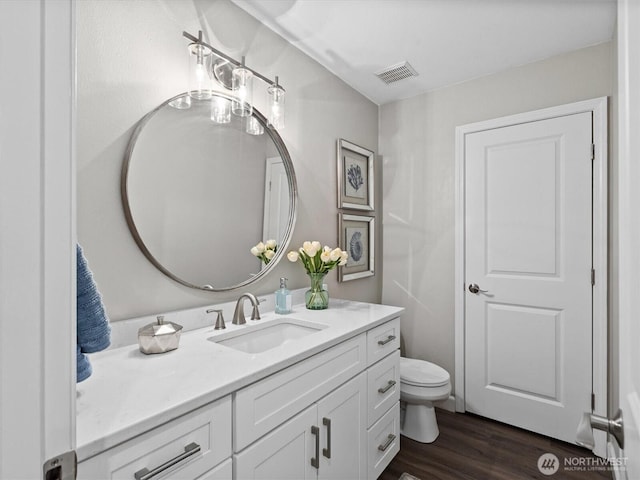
[{"x": 421, "y": 384}]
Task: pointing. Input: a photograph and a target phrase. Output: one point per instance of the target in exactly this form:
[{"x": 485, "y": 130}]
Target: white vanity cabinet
[
  {"x": 345, "y": 407},
  {"x": 323, "y": 407}
]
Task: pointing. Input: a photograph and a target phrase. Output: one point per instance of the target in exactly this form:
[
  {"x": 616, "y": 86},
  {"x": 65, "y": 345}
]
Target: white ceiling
[{"x": 446, "y": 41}]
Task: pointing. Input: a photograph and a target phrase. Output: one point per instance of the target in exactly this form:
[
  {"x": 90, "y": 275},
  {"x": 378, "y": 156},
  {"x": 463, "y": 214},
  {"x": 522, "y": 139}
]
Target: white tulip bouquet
[
  {"x": 265, "y": 251},
  {"x": 317, "y": 259}
]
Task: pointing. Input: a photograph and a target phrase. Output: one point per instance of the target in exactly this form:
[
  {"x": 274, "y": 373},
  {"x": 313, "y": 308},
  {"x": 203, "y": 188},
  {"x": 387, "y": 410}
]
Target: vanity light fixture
[
  {"x": 242, "y": 89},
  {"x": 199, "y": 80},
  {"x": 220, "y": 110},
  {"x": 207, "y": 62},
  {"x": 276, "y": 105},
  {"x": 253, "y": 126}
]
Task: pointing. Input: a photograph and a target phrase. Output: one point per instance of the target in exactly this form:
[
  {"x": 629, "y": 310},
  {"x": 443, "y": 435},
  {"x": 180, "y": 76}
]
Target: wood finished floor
[{"x": 474, "y": 448}]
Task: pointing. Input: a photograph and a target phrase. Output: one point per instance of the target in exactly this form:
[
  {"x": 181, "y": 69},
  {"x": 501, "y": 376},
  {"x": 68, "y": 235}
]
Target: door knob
[
  {"x": 590, "y": 421},
  {"x": 474, "y": 288}
]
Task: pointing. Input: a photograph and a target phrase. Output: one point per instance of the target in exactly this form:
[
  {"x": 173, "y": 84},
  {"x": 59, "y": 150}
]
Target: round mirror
[{"x": 198, "y": 194}]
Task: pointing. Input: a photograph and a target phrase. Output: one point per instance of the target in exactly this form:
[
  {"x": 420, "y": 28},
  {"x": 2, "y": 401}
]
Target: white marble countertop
[{"x": 130, "y": 393}]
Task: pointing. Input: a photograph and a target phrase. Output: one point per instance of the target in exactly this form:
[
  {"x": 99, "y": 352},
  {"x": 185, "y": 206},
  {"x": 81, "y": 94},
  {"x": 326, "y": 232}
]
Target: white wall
[
  {"x": 132, "y": 57},
  {"x": 417, "y": 148}
]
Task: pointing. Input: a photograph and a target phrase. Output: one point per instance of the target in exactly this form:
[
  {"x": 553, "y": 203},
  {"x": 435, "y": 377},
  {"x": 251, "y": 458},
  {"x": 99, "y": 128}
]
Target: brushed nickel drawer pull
[
  {"x": 385, "y": 389},
  {"x": 389, "y": 441},
  {"x": 327, "y": 423},
  {"x": 146, "y": 474},
  {"x": 315, "y": 461},
  {"x": 390, "y": 338}
]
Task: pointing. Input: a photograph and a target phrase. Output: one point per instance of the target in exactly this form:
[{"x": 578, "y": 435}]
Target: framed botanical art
[
  {"x": 355, "y": 176},
  {"x": 357, "y": 234}
]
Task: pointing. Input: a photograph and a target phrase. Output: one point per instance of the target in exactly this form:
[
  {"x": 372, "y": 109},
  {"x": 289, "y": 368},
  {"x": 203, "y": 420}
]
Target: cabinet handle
[
  {"x": 389, "y": 441},
  {"x": 146, "y": 474},
  {"x": 315, "y": 461},
  {"x": 387, "y": 387},
  {"x": 327, "y": 451},
  {"x": 390, "y": 338}
]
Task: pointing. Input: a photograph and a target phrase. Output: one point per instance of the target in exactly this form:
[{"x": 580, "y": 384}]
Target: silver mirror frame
[{"x": 293, "y": 199}]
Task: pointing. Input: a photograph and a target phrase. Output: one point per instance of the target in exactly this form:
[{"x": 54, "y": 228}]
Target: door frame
[
  {"x": 598, "y": 108},
  {"x": 624, "y": 381},
  {"x": 37, "y": 251}
]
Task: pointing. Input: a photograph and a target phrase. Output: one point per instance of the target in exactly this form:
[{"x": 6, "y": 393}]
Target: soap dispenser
[{"x": 283, "y": 298}]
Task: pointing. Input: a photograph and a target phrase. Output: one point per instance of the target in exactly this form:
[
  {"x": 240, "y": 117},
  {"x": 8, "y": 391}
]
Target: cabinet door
[
  {"x": 284, "y": 454},
  {"x": 342, "y": 418}
]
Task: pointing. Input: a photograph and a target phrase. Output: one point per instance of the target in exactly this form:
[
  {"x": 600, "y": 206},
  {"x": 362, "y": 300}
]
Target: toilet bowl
[{"x": 421, "y": 384}]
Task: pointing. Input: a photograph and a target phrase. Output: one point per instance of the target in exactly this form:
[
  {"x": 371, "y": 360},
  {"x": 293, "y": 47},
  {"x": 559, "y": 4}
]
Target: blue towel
[{"x": 93, "y": 329}]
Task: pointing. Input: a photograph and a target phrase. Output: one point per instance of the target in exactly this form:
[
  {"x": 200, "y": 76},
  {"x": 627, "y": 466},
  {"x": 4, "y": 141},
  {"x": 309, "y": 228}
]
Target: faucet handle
[
  {"x": 255, "y": 313},
  {"x": 219, "y": 320}
]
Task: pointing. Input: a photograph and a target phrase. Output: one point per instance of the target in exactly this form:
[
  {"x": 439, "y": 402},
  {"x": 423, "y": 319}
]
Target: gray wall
[
  {"x": 417, "y": 147},
  {"x": 132, "y": 57}
]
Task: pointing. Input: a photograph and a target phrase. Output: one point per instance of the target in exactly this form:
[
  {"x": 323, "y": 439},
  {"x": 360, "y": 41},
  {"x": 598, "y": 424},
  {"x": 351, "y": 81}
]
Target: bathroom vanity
[{"x": 312, "y": 394}]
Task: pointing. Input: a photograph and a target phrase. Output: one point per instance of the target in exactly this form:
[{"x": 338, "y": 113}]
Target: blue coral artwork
[
  {"x": 356, "y": 247},
  {"x": 356, "y": 181}
]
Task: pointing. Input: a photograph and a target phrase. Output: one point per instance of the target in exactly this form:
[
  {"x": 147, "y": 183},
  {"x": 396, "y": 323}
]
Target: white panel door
[
  {"x": 276, "y": 200},
  {"x": 528, "y": 349}
]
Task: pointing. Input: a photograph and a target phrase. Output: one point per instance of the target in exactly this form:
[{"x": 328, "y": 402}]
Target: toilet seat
[{"x": 421, "y": 373}]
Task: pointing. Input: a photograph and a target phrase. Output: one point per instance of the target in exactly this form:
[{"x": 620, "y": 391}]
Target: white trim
[
  {"x": 459, "y": 281},
  {"x": 598, "y": 107},
  {"x": 628, "y": 258},
  {"x": 614, "y": 452},
  {"x": 37, "y": 256},
  {"x": 59, "y": 227}
]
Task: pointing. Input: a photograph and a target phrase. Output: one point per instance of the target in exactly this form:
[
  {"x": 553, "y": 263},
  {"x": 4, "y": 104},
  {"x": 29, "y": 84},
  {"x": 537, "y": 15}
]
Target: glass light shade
[
  {"x": 242, "y": 87},
  {"x": 181, "y": 103},
  {"x": 276, "y": 106},
  {"x": 199, "y": 79},
  {"x": 220, "y": 110},
  {"x": 254, "y": 127}
]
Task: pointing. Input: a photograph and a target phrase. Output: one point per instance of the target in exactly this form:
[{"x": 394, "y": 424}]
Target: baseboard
[{"x": 449, "y": 404}]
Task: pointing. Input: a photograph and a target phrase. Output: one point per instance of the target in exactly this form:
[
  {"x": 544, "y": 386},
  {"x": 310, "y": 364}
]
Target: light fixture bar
[{"x": 229, "y": 59}]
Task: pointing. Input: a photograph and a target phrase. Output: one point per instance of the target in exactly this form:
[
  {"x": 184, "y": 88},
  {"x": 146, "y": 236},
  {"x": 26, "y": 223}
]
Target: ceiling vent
[{"x": 395, "y": 73}]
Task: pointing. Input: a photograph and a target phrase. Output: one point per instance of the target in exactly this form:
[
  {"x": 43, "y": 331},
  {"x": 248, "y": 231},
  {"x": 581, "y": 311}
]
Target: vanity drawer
[
  {"x": 383, "y": 386},
  {"x": 264, "y": 405},
  {"x": 383, "y": 441},
  {"x": 224, "y": 471},
  {"x": 208, "y": 428},
  {"x": 383, "y": 340}
]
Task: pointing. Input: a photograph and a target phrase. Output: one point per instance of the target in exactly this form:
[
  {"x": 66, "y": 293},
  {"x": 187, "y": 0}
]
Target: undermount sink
[{"x": 271, "y": 334}]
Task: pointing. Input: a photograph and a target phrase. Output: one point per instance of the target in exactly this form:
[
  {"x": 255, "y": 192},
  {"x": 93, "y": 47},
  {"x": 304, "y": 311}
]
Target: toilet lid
[{"x": 422, "y": 373}]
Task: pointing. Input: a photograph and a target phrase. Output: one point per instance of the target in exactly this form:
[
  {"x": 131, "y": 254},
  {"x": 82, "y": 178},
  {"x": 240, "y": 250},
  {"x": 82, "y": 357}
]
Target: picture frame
[
  {"x": 357, "y": 237},
  {"x": 356, "y": 176}
]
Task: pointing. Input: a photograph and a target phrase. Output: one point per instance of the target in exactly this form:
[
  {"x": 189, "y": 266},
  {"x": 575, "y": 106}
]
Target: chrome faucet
[{"x": 238, "y": 314}]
